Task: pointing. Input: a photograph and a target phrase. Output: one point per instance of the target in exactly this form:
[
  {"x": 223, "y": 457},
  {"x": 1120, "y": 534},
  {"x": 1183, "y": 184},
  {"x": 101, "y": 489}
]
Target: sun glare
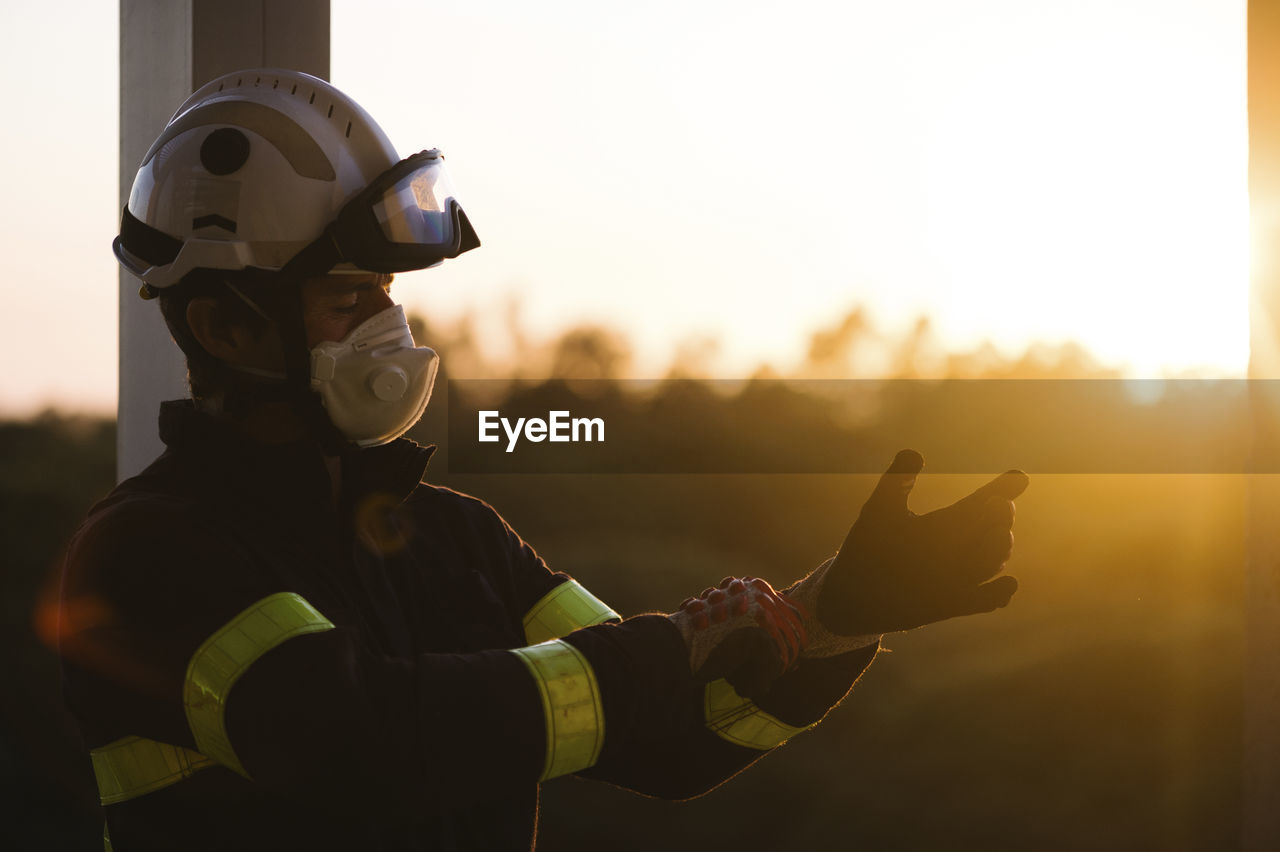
[
  {"x": 1103, "y": 207},
  {"x": 1019, "y": 173}
]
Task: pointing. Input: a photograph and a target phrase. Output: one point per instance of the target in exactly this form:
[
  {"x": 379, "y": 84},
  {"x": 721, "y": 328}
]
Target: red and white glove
[{"x": 743, "y": 631}]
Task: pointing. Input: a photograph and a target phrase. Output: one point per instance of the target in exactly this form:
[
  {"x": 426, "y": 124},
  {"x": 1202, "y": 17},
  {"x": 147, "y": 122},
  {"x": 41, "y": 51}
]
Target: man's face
[{"x": 334, "y": 305}]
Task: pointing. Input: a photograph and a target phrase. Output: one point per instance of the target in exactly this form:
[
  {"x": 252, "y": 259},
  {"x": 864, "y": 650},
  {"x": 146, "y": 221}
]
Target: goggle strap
[
  {"x": 468, "y": 237},
  {"x": 316, "y": 259}
]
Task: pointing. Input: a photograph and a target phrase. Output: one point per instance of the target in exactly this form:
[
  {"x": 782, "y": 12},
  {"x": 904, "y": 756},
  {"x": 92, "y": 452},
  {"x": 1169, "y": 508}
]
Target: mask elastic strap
[{"x": 252, "y": 304}]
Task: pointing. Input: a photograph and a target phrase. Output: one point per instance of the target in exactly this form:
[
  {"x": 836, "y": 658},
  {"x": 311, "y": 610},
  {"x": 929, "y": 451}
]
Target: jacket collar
[{"x": 289, "y": 470}]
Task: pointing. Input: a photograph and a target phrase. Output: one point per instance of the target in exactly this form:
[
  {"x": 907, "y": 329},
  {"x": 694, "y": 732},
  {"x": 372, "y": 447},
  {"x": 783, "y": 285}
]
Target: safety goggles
[{"x": 406, "y": 218}]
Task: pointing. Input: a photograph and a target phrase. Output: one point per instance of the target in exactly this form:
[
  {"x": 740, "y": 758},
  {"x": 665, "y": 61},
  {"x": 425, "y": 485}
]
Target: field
[{"x": 1101, "y": 710}]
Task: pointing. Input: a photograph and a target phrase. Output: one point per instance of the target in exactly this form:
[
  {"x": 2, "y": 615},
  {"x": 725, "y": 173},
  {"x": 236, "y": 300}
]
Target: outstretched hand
[{"x": 898, "y": 570}]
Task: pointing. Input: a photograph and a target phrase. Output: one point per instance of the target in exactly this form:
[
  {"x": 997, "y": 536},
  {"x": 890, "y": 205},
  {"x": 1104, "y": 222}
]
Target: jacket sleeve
[
  {"x": 710, "y": 749},
  {"x": 707, "y": 733},
  {"x": 316, "y": 713}
]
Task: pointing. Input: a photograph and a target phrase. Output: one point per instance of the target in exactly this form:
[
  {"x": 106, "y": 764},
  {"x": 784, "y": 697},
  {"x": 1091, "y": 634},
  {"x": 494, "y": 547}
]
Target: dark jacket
[{"x": 406, "y": 727}]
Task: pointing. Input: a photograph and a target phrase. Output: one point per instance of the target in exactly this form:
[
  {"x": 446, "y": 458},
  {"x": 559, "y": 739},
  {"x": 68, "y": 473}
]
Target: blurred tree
[
  {"x": 591, "y": 352},
  {"x": 831, "y": 350}
]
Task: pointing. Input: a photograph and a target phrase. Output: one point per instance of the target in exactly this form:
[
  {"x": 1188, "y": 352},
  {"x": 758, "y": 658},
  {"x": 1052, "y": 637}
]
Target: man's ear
[{"x": 221, "y": 339}]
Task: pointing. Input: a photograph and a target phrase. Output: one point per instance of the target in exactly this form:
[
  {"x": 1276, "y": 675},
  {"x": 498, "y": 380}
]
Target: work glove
[
  {"x": 898, "y": 570},
  {"x": 742, "y": 631}
]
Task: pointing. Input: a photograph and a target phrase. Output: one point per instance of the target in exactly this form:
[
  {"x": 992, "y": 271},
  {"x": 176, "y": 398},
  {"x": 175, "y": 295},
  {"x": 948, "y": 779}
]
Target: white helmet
[{"x": 278, "y": 170}]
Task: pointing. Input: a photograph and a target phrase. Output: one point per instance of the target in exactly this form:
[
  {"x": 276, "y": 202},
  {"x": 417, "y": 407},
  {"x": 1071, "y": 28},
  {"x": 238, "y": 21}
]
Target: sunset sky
[{"x": 750, "y": 172}]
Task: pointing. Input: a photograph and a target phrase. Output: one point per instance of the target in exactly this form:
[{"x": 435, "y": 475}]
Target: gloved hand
[
  {"x": 898, "y": 570},
  {"x": 742, "y": 631}
]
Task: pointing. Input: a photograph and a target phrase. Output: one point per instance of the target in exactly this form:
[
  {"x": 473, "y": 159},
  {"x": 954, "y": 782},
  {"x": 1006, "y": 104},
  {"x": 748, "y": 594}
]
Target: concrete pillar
[
  {"x": 169, "y": 48},
  {"x": 1261, "y": 781}
]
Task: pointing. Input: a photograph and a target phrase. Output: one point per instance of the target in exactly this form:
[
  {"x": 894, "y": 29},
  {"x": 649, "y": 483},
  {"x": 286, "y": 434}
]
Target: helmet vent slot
[
  {"x": 348, "y": 130},
  {"x": 294, "y": 90},
  {"x": 330, "y": 115},
  {"x": 313, "y": 98},
  {"x": 276, "y": 84}
]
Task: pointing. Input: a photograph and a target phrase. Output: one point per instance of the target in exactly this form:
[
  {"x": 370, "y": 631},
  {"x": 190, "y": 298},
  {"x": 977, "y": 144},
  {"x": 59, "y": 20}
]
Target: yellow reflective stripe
[
  {"x": 571, "y": 706},
  {"x": 741, "y": 722},
  {"x": 132, "y": 766},
  {"x": 564, "y": 609},
  {"x": 227, "y": 654}
]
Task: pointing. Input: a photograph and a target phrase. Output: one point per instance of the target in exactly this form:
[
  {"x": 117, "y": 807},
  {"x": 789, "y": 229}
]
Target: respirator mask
[{"x": 375, "y": 383}]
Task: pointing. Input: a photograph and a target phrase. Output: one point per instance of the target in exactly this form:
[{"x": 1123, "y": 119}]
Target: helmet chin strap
[
  {"x": 297, "y": 357},
  {"x": 316, "y": 259}
]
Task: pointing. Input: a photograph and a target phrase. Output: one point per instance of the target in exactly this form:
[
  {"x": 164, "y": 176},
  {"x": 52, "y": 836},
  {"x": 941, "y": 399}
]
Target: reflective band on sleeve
[
  {"x": 570, "y": 704},
  {"x": 132, "y": 766},
  {"x": 564, "y": 609},
  {"x": 227, "y": 654},
  {"x": 741, "y": 722}
]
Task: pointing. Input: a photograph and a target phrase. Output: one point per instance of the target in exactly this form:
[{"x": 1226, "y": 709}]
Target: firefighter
[{"x": 277, "y": 636}]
